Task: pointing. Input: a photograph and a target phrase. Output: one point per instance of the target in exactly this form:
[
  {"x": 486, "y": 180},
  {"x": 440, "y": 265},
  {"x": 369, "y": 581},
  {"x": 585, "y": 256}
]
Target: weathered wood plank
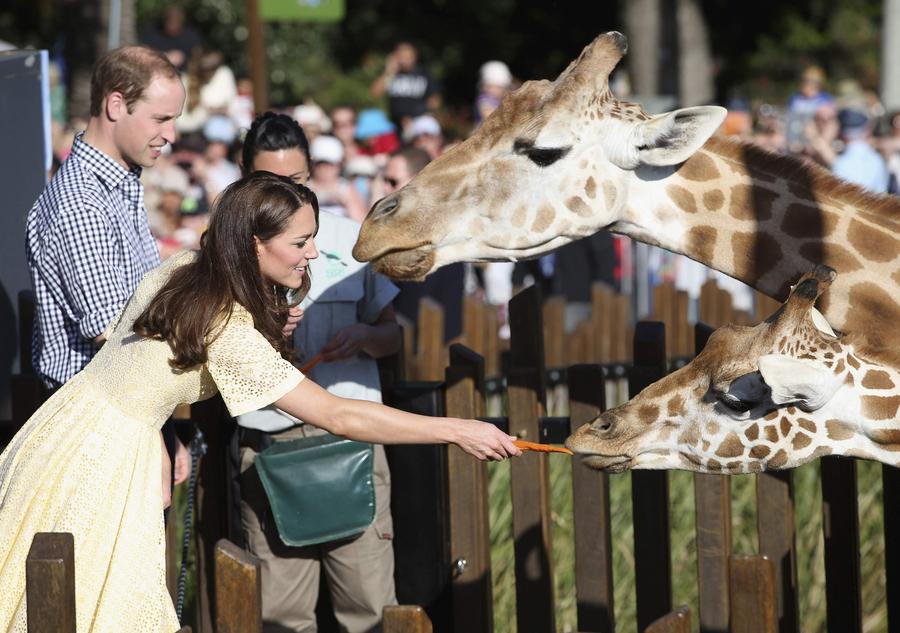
[
  {"x": 467, "y": 486},
  {"x": 753, "y": 599},
  {"x": 775, "y": 526},
  {"x": 238, "y": 590},
  {"x": 677, "y": 621},
  {"x": 406, "y": 619},
  {"x": 593, "y": 531},
  {"x": 50, "y": 583},
  {"x": 650, "y": 493}
]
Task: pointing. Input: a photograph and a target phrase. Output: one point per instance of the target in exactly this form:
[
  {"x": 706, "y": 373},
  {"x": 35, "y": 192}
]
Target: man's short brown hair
[
  {"x": 128, "y": 70},
  {"x": 416, "y": 158}
]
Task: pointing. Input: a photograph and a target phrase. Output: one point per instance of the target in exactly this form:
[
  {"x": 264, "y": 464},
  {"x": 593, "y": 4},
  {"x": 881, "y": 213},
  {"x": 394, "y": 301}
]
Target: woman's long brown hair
[{"x": 201, "y": 295}]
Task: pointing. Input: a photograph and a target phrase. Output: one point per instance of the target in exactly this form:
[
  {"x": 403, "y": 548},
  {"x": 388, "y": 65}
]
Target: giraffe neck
[{"x": 766, "y": 219}]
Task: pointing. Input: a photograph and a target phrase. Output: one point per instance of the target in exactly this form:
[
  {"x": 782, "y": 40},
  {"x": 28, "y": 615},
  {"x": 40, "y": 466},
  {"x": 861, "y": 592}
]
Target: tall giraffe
[
  {"x": 772, "y": 396},
  {"x": 560, "y": 160}
]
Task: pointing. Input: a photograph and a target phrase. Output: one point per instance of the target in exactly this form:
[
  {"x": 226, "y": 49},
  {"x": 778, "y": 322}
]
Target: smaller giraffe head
[
  {"x": 547, "y": 167},
  {"x": 750, "y": 401}
]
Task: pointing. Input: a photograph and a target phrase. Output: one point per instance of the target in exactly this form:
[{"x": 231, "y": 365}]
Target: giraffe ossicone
[
  {"x": 767, "y": 397},
  {"x": 560, "y": 160}
]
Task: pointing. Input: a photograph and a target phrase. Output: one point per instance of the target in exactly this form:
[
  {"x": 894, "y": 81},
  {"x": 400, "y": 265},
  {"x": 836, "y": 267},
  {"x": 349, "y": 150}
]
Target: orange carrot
[
  {"x": 315, "y": 360},
  {"x": 542, "y": 448}
]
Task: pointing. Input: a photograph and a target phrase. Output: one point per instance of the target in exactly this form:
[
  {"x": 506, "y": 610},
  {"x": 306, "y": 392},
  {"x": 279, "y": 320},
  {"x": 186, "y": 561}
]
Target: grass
[{"x": 809, "y": 543}]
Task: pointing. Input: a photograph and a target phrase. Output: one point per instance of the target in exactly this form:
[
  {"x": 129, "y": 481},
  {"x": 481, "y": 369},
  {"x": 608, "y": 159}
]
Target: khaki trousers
[{"x": 359, "y": 571}]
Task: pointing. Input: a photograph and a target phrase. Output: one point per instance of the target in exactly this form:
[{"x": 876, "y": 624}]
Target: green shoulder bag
[{"x": 320, "y": 488}]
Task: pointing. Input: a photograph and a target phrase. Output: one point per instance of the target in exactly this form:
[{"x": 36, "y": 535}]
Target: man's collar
[{"x": 101, "y": 163}]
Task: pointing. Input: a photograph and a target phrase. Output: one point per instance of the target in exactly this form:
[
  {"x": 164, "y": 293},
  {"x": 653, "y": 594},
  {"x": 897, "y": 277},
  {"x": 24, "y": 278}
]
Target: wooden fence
[{"x": 440, "y": 496}]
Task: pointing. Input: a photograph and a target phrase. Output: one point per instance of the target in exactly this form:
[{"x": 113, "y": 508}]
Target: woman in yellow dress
[{"x": 90, "y": 460}]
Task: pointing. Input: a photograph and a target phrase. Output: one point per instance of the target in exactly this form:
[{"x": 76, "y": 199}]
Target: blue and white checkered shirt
[{"x": 88, "y": 245}]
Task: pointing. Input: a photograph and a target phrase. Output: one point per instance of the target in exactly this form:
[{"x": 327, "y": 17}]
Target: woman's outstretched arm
[{"x": 372, "y": 422}]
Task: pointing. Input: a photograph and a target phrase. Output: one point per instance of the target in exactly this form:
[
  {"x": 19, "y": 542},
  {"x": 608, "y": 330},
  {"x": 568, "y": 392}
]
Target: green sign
[{"x": 302, "y": 10}]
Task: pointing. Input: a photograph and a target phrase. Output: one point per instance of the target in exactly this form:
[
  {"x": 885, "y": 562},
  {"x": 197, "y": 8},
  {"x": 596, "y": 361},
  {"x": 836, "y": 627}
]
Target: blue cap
[
  {"x": 852, "y": 121},
  {"x": 372, "y": 122}
]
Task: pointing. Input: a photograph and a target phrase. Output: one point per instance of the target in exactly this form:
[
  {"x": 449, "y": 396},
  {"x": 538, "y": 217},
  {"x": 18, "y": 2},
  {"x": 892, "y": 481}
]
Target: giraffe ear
[
  {"x": 673, "y": 137},
  {"x": 808, "y": 384}
]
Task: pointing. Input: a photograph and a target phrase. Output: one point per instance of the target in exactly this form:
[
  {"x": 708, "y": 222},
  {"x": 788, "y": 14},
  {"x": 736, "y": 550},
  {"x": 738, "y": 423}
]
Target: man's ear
[
  {"x": 671, "y": 138},
  {"x": 808, "y": 384},
  {"x": 114, "y": 105}
]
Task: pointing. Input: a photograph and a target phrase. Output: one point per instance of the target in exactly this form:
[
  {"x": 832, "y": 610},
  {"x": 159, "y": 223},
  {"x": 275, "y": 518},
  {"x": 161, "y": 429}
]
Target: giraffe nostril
[
  {"x": 384, "y": 207},
  {"x": 602, "y": 425}
]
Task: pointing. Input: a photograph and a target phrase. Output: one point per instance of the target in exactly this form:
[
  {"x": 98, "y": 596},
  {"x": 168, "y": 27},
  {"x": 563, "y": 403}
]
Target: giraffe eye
[
  {"x": 735, "y": 404},
  {"x": 540, "y": 156}
]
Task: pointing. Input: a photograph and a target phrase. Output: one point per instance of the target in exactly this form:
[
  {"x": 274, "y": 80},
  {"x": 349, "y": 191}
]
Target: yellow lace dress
[{"x": 89, "y": 462}]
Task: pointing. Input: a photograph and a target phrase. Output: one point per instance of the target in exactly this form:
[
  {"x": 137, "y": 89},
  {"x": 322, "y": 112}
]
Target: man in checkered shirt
[{"x": 87, "y": 239}]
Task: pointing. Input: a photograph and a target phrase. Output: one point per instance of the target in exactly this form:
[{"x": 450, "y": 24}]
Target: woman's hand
[
  {"x": 485, "y": 441},
  {"x": 295, "y": 315}
]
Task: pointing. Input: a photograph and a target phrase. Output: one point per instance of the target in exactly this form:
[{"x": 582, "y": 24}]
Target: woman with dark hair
[
  {"x": 349, "y": 319},
  {"x": 88, "y": 461}
]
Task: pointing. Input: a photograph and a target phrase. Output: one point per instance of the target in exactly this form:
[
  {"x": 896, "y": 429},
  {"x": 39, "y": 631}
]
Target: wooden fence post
[
  {"x": 406, "y": 618},
  {"x": 529, "y": 474},
  {"x": 50, "y": 583},
  {"x": 840, "y": 525},
  {"x": 650, "y": 493},
  {"x": 775, "y": 525},
  {"x": 677, "y": 621},
  {"x": 430, "y": 352},
  {"x": 712, "y": 496},
  {"x": 593, "y": 531},
  {"x": 469, "y": 517},
  {"x": 753, "y": 598},
  {"x": 238, "y": 590},
  {"x": 890, "y": 478}
]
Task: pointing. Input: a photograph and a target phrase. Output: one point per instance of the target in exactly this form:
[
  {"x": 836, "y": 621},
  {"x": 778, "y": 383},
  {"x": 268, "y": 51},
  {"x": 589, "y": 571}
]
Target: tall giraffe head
[
  {"x": 766, "y": 397},
  {"x": 549, "y": 166}
]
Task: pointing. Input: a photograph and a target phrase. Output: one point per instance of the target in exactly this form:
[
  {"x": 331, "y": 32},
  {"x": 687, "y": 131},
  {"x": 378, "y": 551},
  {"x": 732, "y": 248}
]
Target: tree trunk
[
  {"x": 642, "y": 23},
  {"x": 890, "y": 53},
  {"x": 695, "y": 62}
]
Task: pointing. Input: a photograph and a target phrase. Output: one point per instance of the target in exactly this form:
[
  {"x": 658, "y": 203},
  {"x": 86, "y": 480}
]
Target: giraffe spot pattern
[
  {"x": 713, "y": 465},
  {"x": 675, "y": 407},
  {"x": 590, "y": 188},
  {"x": 785, "y": 427},
  {"x": 731, "y": 446},
  {"x": 682, "y": 198},
  {"x": 803, "y": 220},
  {"x": 543, "y": 220},
  {"x": 701, "y": 241},
  {"x": 772, "y": 433},
  {"x": 807, "y": 425},
  {"x": 851, "y": 360},
  {"x": 778, "y": 460},
  {"x": 871, "y": 243},
  {"x": 839, "y": 366},
  {"x": 833, "y": 255},
  {"x": 880, "y": 407},
  {"x": 699, "y": 168},
  {"x": 801, "y": 440},
  {"x": 577, "y": 205},
  {"x": 838, "y": 431},
  {"x": 755, "y": 254},
  {"x": 690, "y": 436},
  {"x": 713, "y": 200},
  {"x": 518, "y": 217},
  {"x": 877, "y": 379},
  {"x": 648, "y": 413},
  {"x": 609, "y": 194},
  {"x": 752, "y": 432},
  {"x": 888, "y": 438},
  {"x": 749, "y": 202},
  {"x": 712, "y": 428},
  {"x": 759, "y": 451}
]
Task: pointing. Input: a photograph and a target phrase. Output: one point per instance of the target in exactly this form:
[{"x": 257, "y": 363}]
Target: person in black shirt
[{"x": 411, "y": 91}]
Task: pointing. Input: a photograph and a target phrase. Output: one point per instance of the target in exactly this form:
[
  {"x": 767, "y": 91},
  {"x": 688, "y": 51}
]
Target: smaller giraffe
[{"x": 767, "y": 397}]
